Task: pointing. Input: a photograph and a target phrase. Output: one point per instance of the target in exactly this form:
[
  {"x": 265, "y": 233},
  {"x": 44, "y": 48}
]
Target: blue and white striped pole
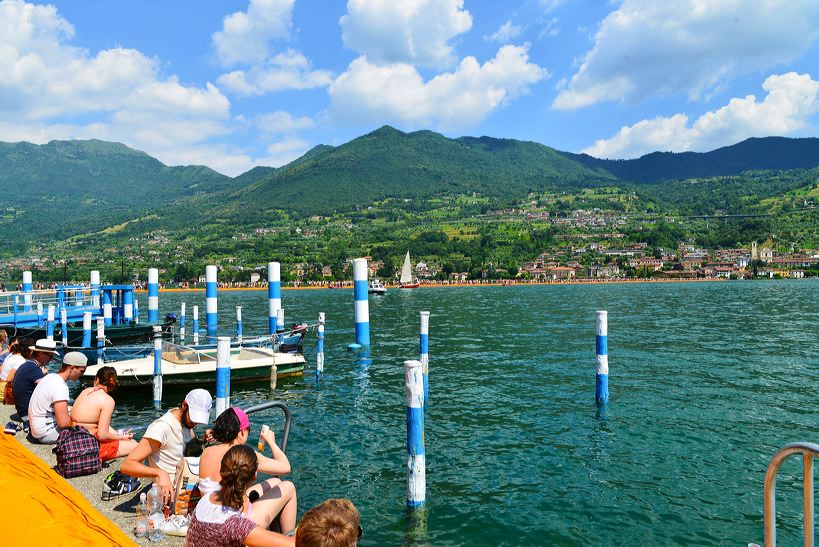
[
  {"x": 39, "y": 314},
  {"x": 601, "y": 392},
  {"x": 362, "y": 304},
  {"x": 238, "y": 324},
  {"x": 222, "y": 374},
  {"x": 280, "y": 321},
  {"x": 153, "y": 295},
  {"x": 78, "y": 297},
  {"x": 157, "y": 366},
  {"x": 182, "y": 321},
  {"x": 50, "y": 323},
  {"x": 86, "y": 329},
  {"x": 274, "y": 295},
  {"x": 320, "y": 348},
  {"x": 196, "y": 325},
  {"x": 128, "y": 305},
  {"x": 416, "y": 457},
  {"x": 136, "y": 311},
  {"x": 64, "y": 326},
  {"x": 100, "y": 340},
  {"x": 95, "y": 288},
  {"x": 27, "y": 288},
  {"x": 212, "y": 307},
  {"x": 424, "y": 346},
  {"x": 106, "y": 307}
]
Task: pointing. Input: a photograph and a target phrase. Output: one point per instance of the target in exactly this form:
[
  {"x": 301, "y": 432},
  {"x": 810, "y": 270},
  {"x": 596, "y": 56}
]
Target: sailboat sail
[{"x": 406, "y": 270}]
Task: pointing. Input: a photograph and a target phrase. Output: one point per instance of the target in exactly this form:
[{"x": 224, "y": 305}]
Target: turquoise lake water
[{"x": 707, "y": 381}]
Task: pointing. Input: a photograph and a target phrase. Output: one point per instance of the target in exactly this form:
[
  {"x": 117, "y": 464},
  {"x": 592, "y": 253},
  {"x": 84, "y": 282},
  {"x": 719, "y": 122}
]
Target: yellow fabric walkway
[{"x": 42, "y": 508}]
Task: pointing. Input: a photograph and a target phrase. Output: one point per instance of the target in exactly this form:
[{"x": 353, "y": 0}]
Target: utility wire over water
[{"x": 706, "y": 381}]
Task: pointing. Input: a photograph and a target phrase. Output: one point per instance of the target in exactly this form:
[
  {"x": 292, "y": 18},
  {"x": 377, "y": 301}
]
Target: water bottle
[
  {"x": 156, "y": 527},
  {"x": 141, "y": 528},
  {"x": 265, "y": 429},
  {"x": 154, "y": 500}
]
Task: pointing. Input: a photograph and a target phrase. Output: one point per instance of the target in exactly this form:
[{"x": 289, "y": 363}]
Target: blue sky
[{"x": 233, "y": 84}]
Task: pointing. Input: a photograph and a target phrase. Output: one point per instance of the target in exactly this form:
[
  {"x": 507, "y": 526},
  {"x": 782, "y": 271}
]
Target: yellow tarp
[{"x": 41, "y": 508}]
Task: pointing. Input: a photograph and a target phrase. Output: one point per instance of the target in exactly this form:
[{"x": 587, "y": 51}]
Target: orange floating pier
[{"x": 41, "y": 508}]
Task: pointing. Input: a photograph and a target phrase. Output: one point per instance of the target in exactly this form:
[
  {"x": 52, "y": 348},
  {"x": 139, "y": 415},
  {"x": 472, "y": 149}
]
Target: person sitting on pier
[
  {"x": 226, "y": 516},
  {"x": 48, "y": 408},
  {"x": 164, "y": 441},
  {"x": 333, "y": 523},
  {"x": 4, "y": 345},
  {"x": 30, "y": 372},
  {"x": 272, "y": 497},
  {"x": 93, "y": 409},
  {"x": 17, "y": 354}
]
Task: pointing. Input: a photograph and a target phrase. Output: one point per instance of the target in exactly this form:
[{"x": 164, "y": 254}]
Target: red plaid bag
[{"x": 78, "y": 452}]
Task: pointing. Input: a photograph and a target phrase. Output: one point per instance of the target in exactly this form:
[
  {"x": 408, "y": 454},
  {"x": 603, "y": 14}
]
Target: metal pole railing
[{"x": 808, "y": 451}]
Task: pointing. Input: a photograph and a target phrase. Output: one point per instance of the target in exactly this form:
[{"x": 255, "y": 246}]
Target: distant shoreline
[{"x": 451, "y": 285}]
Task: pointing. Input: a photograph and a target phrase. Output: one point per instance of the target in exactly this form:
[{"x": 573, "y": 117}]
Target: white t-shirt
[
  {"x": 41, "y": 407},
  {"x": 172, "y": 438},
  {"x": 12, "y": 362}
]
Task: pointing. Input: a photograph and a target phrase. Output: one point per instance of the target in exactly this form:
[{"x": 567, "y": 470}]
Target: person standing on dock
[
  {"x": 29, "y": 373},
  {"x": 164, "y": 441},
  {"x": 48, "y": 408}
]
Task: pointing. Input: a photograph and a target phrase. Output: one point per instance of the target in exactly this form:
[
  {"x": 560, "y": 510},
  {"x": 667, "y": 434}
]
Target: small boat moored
[
  {"x": 376, "y": 287},
  {"x": 187, "y": 365}
]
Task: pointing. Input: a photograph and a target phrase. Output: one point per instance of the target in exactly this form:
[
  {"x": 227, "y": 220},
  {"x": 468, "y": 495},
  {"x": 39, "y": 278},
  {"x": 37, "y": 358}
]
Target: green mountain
[
  {"x": 62, "y": 188},
  {"x": 769, "y": 153},
  {"x": 68, "y": 188},
  {"x": 388, "y": 163}
]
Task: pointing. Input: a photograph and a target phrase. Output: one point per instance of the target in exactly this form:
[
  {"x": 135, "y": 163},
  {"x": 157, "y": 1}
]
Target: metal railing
[{"x": 808, "y": 451}]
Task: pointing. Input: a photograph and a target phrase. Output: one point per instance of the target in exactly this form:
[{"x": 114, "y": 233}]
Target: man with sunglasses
[{"x": 164, "y": 442}]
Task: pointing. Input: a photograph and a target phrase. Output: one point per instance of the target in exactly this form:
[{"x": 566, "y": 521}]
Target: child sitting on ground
[{"x": 333, "y": 523}]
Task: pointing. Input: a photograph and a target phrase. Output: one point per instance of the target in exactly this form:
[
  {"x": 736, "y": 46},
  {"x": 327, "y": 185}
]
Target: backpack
[
  {"x": 78, "y": 452},
  {"x": 186, "y": 486}
]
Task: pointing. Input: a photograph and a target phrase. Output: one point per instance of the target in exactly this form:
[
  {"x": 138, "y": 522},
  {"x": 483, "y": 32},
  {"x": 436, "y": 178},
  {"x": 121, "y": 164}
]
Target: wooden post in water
[
  {"x": 100, "y": 340},
  {"x": 362, "y": 303},
  {"x": 320, "y": 348},
  {"x": 222, "y": 374},
  {"x": 27, "y": 288},
  {"x": 157, "y": 366},
  {"x": 416, "y": 457},
  {"x": 424, "y": 346},
  {"x": 86, "y": 329},
  {"x": 601, "y": 392},
  {"x": 195, "y": 325},
  {"x": 50, "y": 323},
  {"x": 153, "y": 295},
  {"x": 274, "y": 295},
  {"x": 182, "y": 322},
  {"x": 239, "y": 324},
  {"x": 64, "y": 326},
  {"x": 95, "y": 288},
  {"x": 211, "y": 311}
]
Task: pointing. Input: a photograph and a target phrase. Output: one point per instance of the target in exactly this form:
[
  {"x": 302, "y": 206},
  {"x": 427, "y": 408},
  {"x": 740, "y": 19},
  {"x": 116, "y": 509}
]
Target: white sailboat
[{"x": 406, "y": 281}]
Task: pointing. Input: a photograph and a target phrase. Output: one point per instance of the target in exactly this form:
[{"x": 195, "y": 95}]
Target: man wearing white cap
[
  {"x": 48, "y": 408},
  {"x": 29, "y": 373},
  {"x": 164, "y": 441}
]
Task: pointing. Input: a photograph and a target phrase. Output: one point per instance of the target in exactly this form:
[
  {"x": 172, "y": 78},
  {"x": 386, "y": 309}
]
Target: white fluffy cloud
[
  {"x": 245, "y": 35},
  {"x": 791, "y": 100},
  {"x": 47, "y": 86},
  {"x": 505, "y": 34},
  {"x": 455, "y": 100},
  {"x": 406, "y": 31},
  {"x": 283, "y": 122},
  {"x": 287, "y": 70},
  {"x": 693, "y": 47}
]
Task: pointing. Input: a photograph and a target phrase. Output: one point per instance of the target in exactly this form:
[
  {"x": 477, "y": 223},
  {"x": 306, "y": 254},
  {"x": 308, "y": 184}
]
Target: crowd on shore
[{"x": 232, "y": 509}]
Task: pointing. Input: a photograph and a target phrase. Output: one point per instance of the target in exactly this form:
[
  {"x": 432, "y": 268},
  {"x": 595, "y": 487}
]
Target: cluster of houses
[{"x": 688, "y": 261}]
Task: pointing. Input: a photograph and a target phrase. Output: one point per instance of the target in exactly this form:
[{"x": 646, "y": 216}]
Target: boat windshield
[{"x": 185, "y": 355}]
